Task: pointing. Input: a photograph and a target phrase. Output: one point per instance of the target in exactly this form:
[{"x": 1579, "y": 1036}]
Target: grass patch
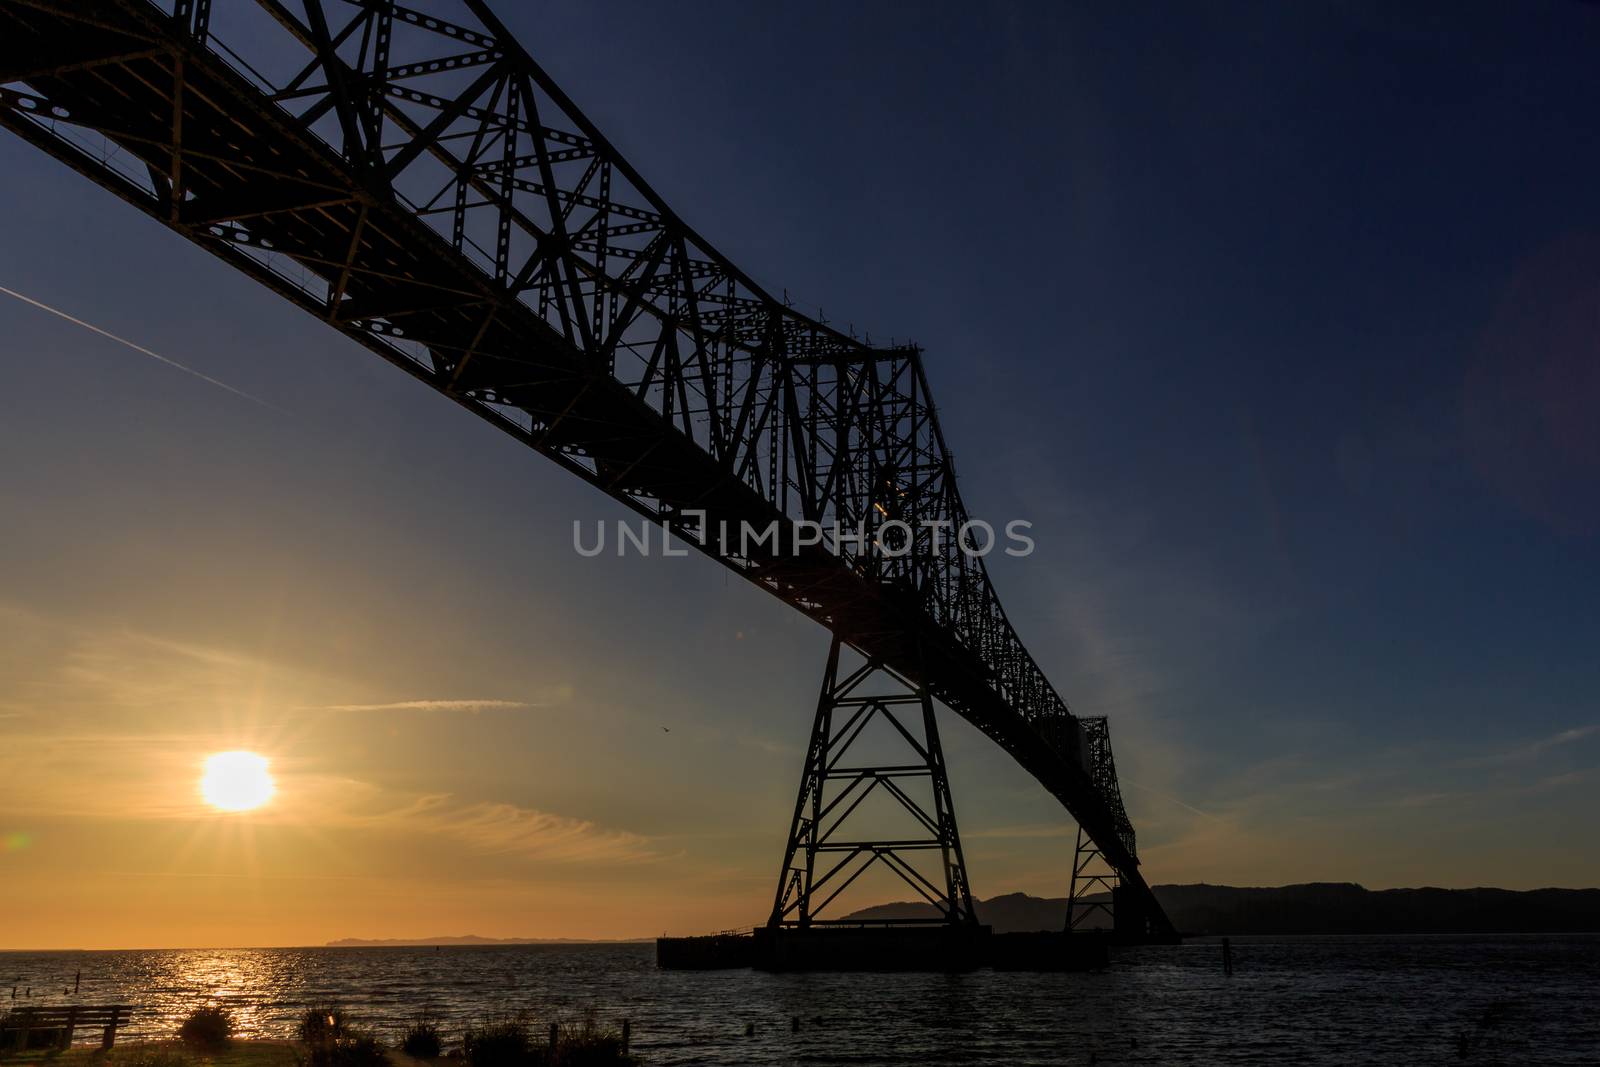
[
  {"x": 518, "y": 1042},
  {"x": 590, "y": 1044},
  {"x": 167, "y": 1054},
  {"x": 506, "y": 1042},
  {"x": 347, "y": 1050}
]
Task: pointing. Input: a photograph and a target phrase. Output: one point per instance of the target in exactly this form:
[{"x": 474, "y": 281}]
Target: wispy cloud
[
  {"x": 1533, "y": 749},
  {"x": 1561, "y": 781},
  {"x": 127, "y": 669},
  {"x": 432, "y": 705},
  {"x": 508, "y": 829}
]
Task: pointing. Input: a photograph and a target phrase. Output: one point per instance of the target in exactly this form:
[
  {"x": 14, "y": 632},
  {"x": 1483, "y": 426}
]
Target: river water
[{"x": 1324, "y": 1000}]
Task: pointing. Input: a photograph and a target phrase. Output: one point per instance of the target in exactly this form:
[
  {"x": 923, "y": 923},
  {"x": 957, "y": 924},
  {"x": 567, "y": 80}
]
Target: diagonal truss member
[{"x": 823, "y": 859}]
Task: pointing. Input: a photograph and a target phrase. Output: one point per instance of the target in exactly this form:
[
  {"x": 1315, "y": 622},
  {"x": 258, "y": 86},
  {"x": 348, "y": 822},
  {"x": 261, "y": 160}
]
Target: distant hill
[
  {"x": 470, "y": 939},
  {"x": 1315, "y": 908}
]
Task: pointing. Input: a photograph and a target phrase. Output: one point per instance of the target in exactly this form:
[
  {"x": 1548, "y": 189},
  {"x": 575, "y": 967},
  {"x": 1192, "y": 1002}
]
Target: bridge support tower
[{"x": 822, "y": 858}]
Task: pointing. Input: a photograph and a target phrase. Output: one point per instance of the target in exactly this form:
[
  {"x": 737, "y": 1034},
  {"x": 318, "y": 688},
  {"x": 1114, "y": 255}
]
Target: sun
[{"x": 236, "y": 781}]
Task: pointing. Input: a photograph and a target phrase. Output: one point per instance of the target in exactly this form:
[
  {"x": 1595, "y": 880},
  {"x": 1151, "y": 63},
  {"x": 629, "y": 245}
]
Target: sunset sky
[{"x": 1278, "y": 322}]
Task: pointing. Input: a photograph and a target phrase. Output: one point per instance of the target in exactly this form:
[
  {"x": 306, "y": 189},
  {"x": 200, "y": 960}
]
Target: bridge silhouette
[{"x": 420, "y": 184}]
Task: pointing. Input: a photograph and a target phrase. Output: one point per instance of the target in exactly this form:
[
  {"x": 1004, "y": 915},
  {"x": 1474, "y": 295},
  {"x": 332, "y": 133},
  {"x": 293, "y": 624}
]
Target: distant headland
[{"x": 474, "y": 939}]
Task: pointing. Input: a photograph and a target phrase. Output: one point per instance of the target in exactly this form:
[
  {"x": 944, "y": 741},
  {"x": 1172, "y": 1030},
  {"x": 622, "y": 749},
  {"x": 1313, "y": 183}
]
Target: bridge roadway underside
[{"x": 255, "y": 180}]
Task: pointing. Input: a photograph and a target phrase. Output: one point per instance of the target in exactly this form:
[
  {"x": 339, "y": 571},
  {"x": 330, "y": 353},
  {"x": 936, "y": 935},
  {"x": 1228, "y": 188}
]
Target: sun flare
[{"x": 236, "y": 781}]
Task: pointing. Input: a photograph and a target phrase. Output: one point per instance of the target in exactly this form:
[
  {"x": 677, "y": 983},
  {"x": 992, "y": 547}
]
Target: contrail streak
[
  {"x": 1174, "y": 800},
  {"x": 142, "y": 349}
]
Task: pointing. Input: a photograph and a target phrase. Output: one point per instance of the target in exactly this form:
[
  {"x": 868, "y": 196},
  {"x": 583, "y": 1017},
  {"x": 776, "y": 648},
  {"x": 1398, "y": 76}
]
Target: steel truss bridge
[{"x": 415, "y": 180}]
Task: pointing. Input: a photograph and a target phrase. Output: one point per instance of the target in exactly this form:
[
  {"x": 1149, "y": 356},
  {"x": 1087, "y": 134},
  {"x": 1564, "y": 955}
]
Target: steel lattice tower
[{"x": 821, "y": 861}]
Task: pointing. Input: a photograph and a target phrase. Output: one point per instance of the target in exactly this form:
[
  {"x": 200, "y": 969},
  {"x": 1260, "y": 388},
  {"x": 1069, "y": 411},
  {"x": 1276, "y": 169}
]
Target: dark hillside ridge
[{"x": 1314, "y": 908}]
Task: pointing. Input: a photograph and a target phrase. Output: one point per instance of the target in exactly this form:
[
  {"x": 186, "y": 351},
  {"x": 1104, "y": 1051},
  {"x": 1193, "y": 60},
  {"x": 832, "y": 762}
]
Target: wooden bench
[{"x": 22, "y": 1028}]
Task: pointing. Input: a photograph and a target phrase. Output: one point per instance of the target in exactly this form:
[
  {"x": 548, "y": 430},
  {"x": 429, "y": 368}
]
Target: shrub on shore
[
  {"x": 421, "y": 1040},
  {"x": 207, "y": 1027},
  {"x": 331, "y": 1040},
  {"x": 321, "y": 1023},
  {"x": 589, "y": 1044},
  {"x": 498, "y": 1043}
]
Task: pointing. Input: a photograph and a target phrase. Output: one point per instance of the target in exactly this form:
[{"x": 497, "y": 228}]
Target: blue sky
[{"x": 1277, "y": 321}]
